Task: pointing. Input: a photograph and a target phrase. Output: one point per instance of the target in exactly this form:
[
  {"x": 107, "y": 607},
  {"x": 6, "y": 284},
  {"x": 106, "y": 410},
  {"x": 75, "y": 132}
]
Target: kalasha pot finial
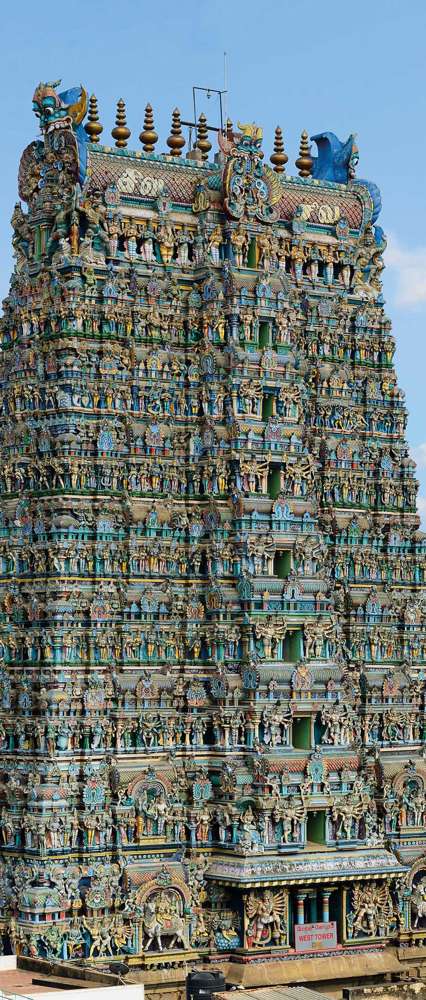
[
  {"x": 176, "y": 140},
  {"x": 279, "y": 157},
  {"x": 93, "y": 126},
  {"x": 304, "y": 161},
  {"x": 120, "y": 133},
  {"x": 203, "y": 142},
  {"x": 148, "y": 136}
]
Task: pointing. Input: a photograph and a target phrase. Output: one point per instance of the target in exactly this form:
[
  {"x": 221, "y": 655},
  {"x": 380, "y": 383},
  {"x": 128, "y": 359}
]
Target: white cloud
[
  {"x": 419, "y": 455},
  {"x": 409, "y": 268},
  {"x": 421, "y": 507}
]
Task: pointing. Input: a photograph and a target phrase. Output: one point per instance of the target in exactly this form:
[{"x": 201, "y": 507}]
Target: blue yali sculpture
[{"x": 337, "y": 161}]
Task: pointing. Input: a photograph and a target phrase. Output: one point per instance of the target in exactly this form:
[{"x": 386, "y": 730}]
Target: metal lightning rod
[{"x": 225, "y": 86}]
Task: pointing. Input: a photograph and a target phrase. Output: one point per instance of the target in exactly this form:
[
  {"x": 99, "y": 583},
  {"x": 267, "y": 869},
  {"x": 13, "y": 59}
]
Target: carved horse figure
[
  {"x": 151, "y": 926},
  {"x": 418, "y": 902}
]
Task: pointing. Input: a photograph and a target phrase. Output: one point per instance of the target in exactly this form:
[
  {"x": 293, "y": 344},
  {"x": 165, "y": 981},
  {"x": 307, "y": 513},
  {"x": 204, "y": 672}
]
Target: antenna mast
[{"x": 225, "y": 86}]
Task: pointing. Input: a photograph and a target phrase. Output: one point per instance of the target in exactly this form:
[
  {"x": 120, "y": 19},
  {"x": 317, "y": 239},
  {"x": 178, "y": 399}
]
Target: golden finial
[
  {"x": 304, "y": 161},
  {"x": 279, "y": 156},
  {"x": 93, "y": 126},
  {"x": 120, "y": 133},
  {"x": 203, "y": 143},
  {"x": 176, "y": 140},
  {"x": 148, "y": 136}
]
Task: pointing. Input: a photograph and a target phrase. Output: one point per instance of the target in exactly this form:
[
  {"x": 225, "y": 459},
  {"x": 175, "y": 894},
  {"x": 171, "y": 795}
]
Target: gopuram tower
[{"x": 212, "y": 621}]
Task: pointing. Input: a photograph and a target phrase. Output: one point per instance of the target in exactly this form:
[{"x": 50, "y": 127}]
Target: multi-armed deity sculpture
[{"x": 213, "y": 627}]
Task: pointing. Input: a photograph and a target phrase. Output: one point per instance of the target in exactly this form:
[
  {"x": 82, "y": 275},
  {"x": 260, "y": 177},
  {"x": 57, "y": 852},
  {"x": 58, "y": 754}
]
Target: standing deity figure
[{"x": 214, "y": 243}]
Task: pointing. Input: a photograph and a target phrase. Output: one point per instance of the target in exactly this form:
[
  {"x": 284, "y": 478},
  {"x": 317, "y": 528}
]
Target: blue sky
[{"x": 321, "y": 66}]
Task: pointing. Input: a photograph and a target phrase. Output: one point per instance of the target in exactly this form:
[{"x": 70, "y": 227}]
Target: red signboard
[{"x": 315, "y": 937}]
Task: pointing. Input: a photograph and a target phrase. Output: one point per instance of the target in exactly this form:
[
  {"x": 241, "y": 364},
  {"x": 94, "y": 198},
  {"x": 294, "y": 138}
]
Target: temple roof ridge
[{"x": 333, "y": 168}]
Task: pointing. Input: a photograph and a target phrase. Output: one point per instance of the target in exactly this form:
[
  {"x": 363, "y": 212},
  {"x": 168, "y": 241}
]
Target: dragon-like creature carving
[
  {"x": 337, "y": 161},
  {"x": 63, "y": 111}
]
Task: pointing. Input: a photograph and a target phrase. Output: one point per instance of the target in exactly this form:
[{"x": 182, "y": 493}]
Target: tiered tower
[{"x": 211, "y": 592}]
